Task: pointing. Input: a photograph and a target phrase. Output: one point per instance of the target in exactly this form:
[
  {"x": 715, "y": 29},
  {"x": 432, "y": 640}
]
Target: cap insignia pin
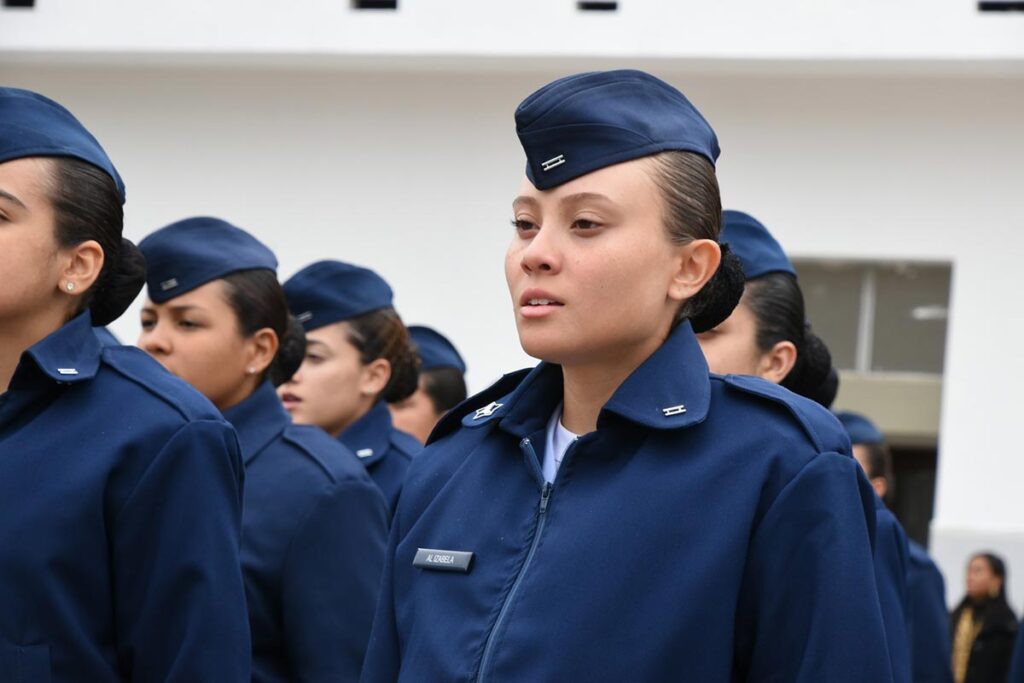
[{"x": 553, "y": 162}]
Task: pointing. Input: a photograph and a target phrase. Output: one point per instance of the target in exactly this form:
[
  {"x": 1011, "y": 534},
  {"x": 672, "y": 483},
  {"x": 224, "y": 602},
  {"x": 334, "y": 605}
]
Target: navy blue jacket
[
  {"x": 891, "y": 568},
  {"x": 711, "y": 529},
  {"x": 314, "y": 530},
  {"x": 386, "y": 452},
  {"x": 120, "y": 514},
  {"x": 931, "y": 651},
  {"x": 1017, "y": 661}
]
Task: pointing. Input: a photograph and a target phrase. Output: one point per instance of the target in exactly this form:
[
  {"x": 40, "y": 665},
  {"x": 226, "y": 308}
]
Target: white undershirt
[{"x": 557, "y": 442}]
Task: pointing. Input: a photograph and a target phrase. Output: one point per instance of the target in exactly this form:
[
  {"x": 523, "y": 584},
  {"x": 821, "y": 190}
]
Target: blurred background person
[
  {"x": 927, "y": 619},
  {"x": 983, "y": 626},
  {"x": 768, "y": 335},
  {"x": 313, "y": 523},
  {"x": 442, "y": 384},
  {"x": 359, "y": 358}
]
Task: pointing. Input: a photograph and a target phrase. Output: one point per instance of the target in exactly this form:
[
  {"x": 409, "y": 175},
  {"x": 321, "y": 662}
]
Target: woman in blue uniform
[
  {"x": 616, "y": 513},
  {"x": 359, "y": 358},
  {"x": 314, "y": 525},
  {"x": 911, "y": 587},
  {"x": 768, "y": 336},
  {"x": 442, "y": 384},
  {"x": 120, "y": 486}
]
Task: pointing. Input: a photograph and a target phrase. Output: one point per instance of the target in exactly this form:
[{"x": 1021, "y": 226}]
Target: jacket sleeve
[
  {"x": 809, "y": 609},
  {"x": 179, "y": 598},
  {"x": 383, "y": 655},
  {"x": 331, "y": 577},
  {"x": 931, "y": 650},
  {"x": 891, "y": 567}
]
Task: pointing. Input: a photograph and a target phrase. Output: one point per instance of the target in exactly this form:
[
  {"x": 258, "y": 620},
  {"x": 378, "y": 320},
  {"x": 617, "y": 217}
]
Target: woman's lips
[
  {"x": 290, "y": 401},
  {"x": 536, "y": 303}
]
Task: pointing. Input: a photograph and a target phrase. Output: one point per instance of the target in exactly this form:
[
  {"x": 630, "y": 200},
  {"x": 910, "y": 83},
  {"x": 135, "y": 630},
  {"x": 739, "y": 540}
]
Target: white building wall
[
  {"x": 412, "y": 173},
  {"x": 733, "y": 29}
]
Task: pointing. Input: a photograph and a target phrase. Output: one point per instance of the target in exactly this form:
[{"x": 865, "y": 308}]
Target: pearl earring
[
  {"x": 251, "y": 371},
  {"x": 70, "y": 286}
]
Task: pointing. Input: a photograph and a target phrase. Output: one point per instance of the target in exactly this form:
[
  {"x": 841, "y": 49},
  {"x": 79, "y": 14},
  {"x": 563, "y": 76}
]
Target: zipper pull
[{"x": 545, "y": 497}]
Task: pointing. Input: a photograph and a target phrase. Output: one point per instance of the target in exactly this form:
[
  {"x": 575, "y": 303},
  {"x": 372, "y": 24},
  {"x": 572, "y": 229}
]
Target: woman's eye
[
  {"x": 188, "y": 324},
  {"x": 522, "y": 225},
  {"x": 148, "y": 324},
  {"x": 584, "y": 224},
  {"x": 314, "y": 358}
]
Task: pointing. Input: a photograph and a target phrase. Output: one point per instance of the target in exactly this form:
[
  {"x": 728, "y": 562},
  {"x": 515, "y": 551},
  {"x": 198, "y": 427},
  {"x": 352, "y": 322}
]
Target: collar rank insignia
[
  {"x": 487, "y": 410},
  {"x": 674, "y": 410}
]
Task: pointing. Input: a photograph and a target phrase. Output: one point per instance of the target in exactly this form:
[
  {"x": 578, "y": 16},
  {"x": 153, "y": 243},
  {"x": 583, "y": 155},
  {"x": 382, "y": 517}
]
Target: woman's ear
[
  {"x": 697, "y": 263},
  {"x": 375, "y": 376},
  {"x": 263, "y": 347},
  {"x": 82, "y": 267},
  {"x": 777, "y": 362}
]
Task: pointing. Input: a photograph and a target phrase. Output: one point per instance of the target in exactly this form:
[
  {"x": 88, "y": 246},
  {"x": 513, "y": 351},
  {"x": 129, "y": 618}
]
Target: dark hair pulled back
[
  {"x": 446, "y": 388},
  {"x": 87, "y": 206},
  {"x": 382, "y": 334},
  {"x": 693, "y": 211},
  {"x": 258, "y": 300},
  {"x": 778, "y": 307}
]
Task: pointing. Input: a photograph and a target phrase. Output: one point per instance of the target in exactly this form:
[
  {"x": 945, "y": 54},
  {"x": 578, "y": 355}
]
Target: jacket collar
[
  {"x": 370, "y": 436},
  {"x": 258, "y": 420},
  {"x": 669, "y": 390},
  {"x": 69, "y": 355}
]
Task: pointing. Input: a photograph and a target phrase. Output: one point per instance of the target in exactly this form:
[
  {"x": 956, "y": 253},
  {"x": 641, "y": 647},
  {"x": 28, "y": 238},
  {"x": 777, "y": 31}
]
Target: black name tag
[{"x": 443, "y": 560}]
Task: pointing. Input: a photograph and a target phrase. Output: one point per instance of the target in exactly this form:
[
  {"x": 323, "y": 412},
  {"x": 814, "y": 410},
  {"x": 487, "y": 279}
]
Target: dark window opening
[
  {"x": 374, "y": 4},
  {"x": 597, "y": 6},
  {"x": 913, "y": 499},
  {"x": 997, "y": 6},
  {"x": 20, "y": 3}
]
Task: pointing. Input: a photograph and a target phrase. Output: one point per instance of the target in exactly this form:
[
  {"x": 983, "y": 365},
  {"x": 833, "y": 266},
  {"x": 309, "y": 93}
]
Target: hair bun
[
  {"x": 813, "y": 375},
  {"x": 290, "y": 353},
  {"x": 716, "y": 301},
  {"x": 119, "y": 285}
]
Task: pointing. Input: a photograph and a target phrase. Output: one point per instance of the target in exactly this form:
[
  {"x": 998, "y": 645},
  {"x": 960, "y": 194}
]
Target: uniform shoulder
[
  {"x": 158, "y": 385},
  {"x": 405, "y": 444},
  {"x": 324, "y": 456},
  {"x": 449, "y": 446},
  {"x": 482, "y": 400},
  {"x": 820, "y": 427}
]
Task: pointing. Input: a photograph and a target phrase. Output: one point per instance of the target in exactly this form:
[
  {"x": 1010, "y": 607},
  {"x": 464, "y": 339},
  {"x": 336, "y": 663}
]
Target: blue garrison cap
[
  {"x": 191, "y": 252},
  {"x": 585, "y": 122},
  {"x": 435, "y": 350},
  {"x": 35, "y": 126},
  {"x": 860, "y": 428},
  {"x": 327, "y": 292},
  {"x": 757, "y": 250}
]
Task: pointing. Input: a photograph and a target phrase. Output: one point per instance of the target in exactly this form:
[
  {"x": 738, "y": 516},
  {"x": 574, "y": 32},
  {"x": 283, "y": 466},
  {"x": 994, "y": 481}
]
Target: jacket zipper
[{"x": 545, "y": 500}]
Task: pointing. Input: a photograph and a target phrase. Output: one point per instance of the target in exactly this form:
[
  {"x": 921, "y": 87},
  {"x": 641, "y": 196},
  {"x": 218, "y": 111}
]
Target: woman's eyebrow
[
  {"x": 10, "y": 197},
  {"x": 524, "y": 200},
  {"x": 585, "y": 196}
]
